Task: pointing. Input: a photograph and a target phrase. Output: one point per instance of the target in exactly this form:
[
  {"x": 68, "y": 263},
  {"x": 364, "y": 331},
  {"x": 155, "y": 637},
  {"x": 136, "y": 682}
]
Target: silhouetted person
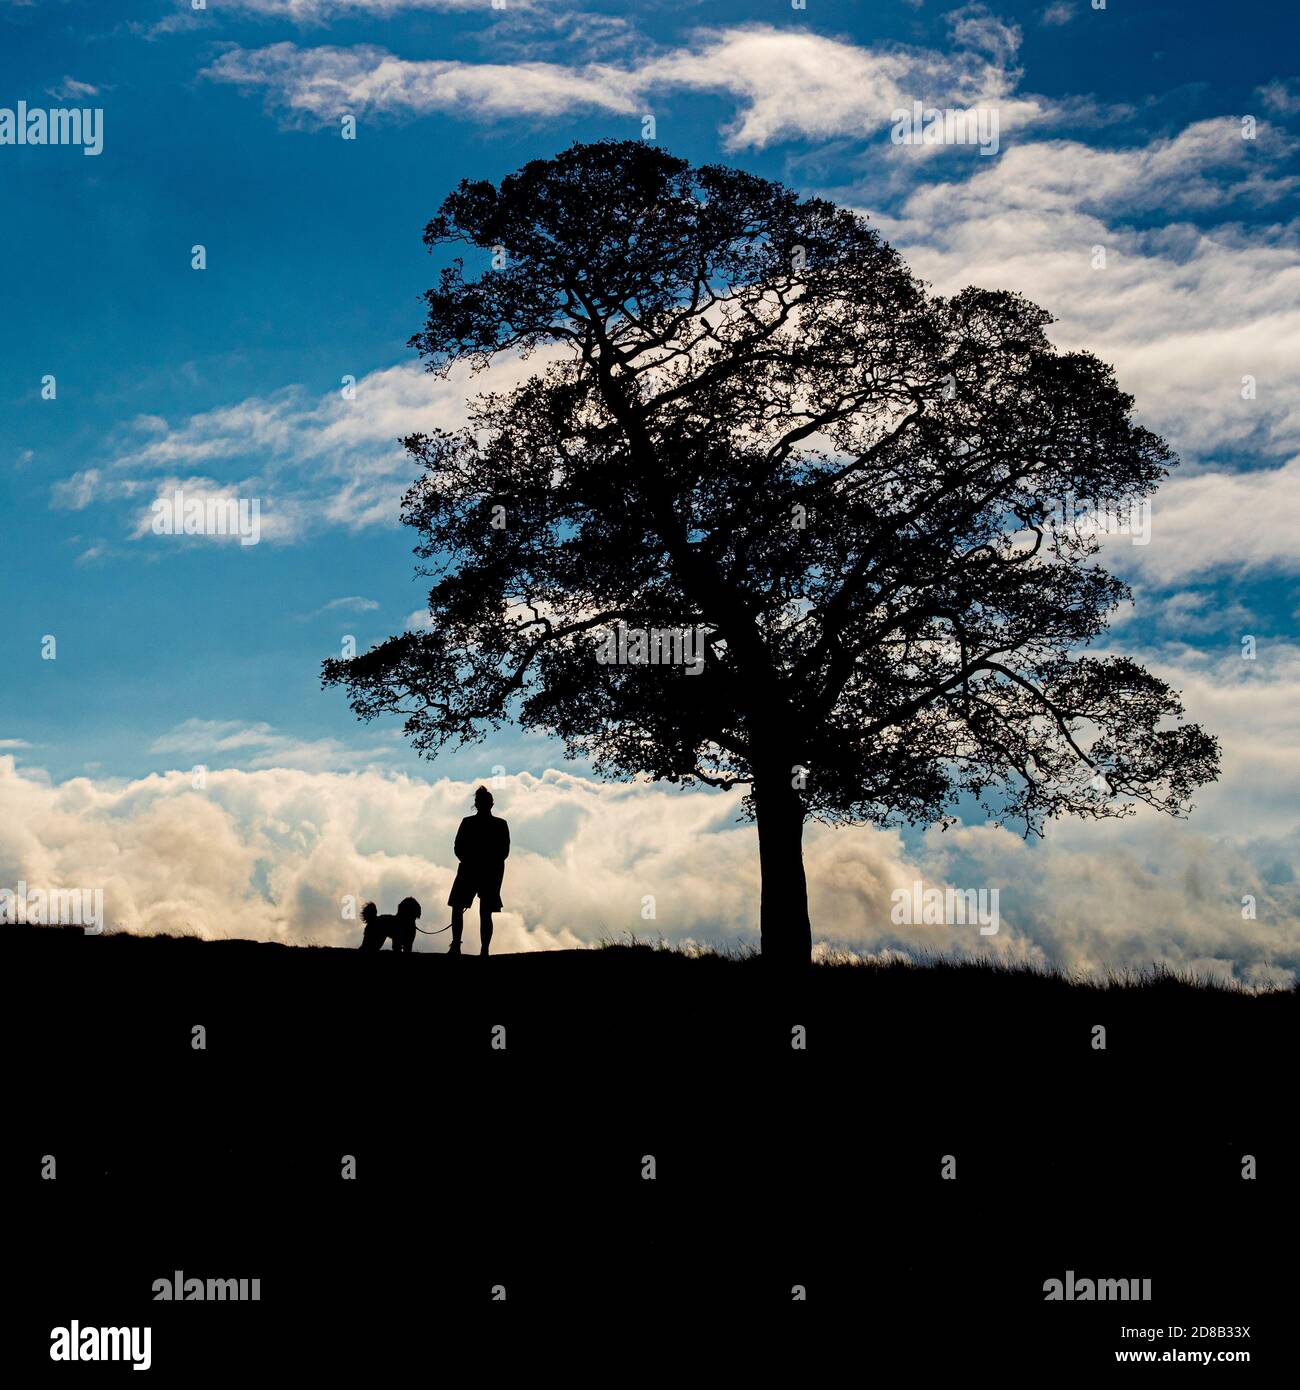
[
  {"x": 482, "y": 847},
  {"x": 400, "y": 927}
]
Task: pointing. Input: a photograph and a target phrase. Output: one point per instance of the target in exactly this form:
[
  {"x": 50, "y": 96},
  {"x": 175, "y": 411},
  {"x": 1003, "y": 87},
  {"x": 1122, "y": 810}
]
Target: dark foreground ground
[{"x": 520, "y": 1168}]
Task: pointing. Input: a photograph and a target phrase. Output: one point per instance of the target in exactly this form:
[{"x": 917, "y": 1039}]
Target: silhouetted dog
[{"x": 400, "y": 927}]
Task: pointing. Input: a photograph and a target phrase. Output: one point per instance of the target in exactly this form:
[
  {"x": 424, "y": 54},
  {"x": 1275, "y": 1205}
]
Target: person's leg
[
  {"x": 484, "y": 929},
  {"x": 457, "y": 927}
]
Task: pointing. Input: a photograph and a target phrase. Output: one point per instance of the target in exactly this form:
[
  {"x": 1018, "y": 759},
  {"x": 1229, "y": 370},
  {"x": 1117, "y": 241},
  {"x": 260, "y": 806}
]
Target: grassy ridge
[{"x": 669, "y": 961}]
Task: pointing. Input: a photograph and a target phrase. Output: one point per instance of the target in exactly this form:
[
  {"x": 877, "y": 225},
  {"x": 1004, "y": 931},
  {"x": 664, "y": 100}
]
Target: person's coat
[{"x": 482, "y": 847}]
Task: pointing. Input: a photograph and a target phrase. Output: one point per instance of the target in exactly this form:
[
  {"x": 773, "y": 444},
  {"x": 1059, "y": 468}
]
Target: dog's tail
[{"x": 369, "y": 913}]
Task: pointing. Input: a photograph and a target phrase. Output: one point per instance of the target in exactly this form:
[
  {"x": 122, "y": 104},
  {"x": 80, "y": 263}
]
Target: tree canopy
[{"x": 748, "y": 420}]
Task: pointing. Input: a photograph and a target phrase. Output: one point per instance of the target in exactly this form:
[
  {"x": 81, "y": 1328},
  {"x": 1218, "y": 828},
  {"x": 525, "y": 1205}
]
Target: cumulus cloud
[
  {"x": 1253, "y": 705},
  {"x": 801, "y": 85},
  {"x": 1246, "y": 521},
  {"x": 275, "y": 848},
  {"x": 286, "y": 829},
  {"x": 1199, "y": 322},
  {"x": 1099, "y": 898},
  {"x": 274, "y": 854}
]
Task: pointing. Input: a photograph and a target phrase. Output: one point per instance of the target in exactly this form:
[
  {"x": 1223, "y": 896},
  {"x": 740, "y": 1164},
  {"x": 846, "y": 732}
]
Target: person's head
[
  {"x": 482, "y": 800},
  {"x": 408, "y": 909}
]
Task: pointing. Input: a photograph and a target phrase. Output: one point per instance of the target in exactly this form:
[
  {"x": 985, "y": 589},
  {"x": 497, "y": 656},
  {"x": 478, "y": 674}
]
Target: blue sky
[{"x": 1119, "y": 127}]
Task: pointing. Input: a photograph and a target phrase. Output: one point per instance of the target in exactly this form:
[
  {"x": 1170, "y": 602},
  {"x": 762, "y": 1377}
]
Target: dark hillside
[{"x": 496, "y": 1165}]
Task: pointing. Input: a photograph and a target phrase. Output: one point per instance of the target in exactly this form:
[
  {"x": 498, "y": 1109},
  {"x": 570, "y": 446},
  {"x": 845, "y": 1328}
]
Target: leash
[{"x": 435, "y": 931}]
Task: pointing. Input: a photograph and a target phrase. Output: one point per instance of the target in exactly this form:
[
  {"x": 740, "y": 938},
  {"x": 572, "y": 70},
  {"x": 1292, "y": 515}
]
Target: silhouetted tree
[{"x": 748, "y": 418}]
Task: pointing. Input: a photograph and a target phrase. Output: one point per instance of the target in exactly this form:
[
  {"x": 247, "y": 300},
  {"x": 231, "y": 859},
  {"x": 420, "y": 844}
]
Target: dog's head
[{"x": 408, "y": 909}]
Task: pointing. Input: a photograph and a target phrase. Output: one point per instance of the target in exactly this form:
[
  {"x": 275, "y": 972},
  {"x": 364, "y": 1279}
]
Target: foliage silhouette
[{"x": 751, "y": 422}]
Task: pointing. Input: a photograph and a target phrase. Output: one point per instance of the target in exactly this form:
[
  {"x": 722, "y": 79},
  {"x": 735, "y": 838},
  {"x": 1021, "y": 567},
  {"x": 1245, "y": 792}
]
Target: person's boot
[{"x": 454, "y": 949}]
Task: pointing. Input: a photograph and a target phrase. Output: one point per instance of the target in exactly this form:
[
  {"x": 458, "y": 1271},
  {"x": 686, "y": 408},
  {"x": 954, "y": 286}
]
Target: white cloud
[
  {"x": 1115, "y": 897},
  {"x": 252, "y": 746},
  {"x": 321, "y": 11},
  {"x": 77, "y": 492},
  {"x": 1195, "y": 612},
  {"x": 1253, "y": 706},
  {"x": 1281, "y": 95},
  {"x": 270, "y": 850},
  {"x": 314, "y": 13},
  {"x": 352, "y": 603},
  {"x": 71, "y": 89},
  {"x": 801, "y": 85},
  {"x": 1247, "y": 521},
  {"x": 788, "y": 84},
  {"x": 1186, "y": 315},
  {"x": 322, "y": 84},
  {"x": 317, "y": 12},
  {"x": 312, "y": 461}
]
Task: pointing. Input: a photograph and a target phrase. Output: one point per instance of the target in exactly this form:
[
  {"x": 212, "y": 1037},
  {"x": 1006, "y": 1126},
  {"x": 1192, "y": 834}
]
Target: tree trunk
[{"x": 783, "y": 907}]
